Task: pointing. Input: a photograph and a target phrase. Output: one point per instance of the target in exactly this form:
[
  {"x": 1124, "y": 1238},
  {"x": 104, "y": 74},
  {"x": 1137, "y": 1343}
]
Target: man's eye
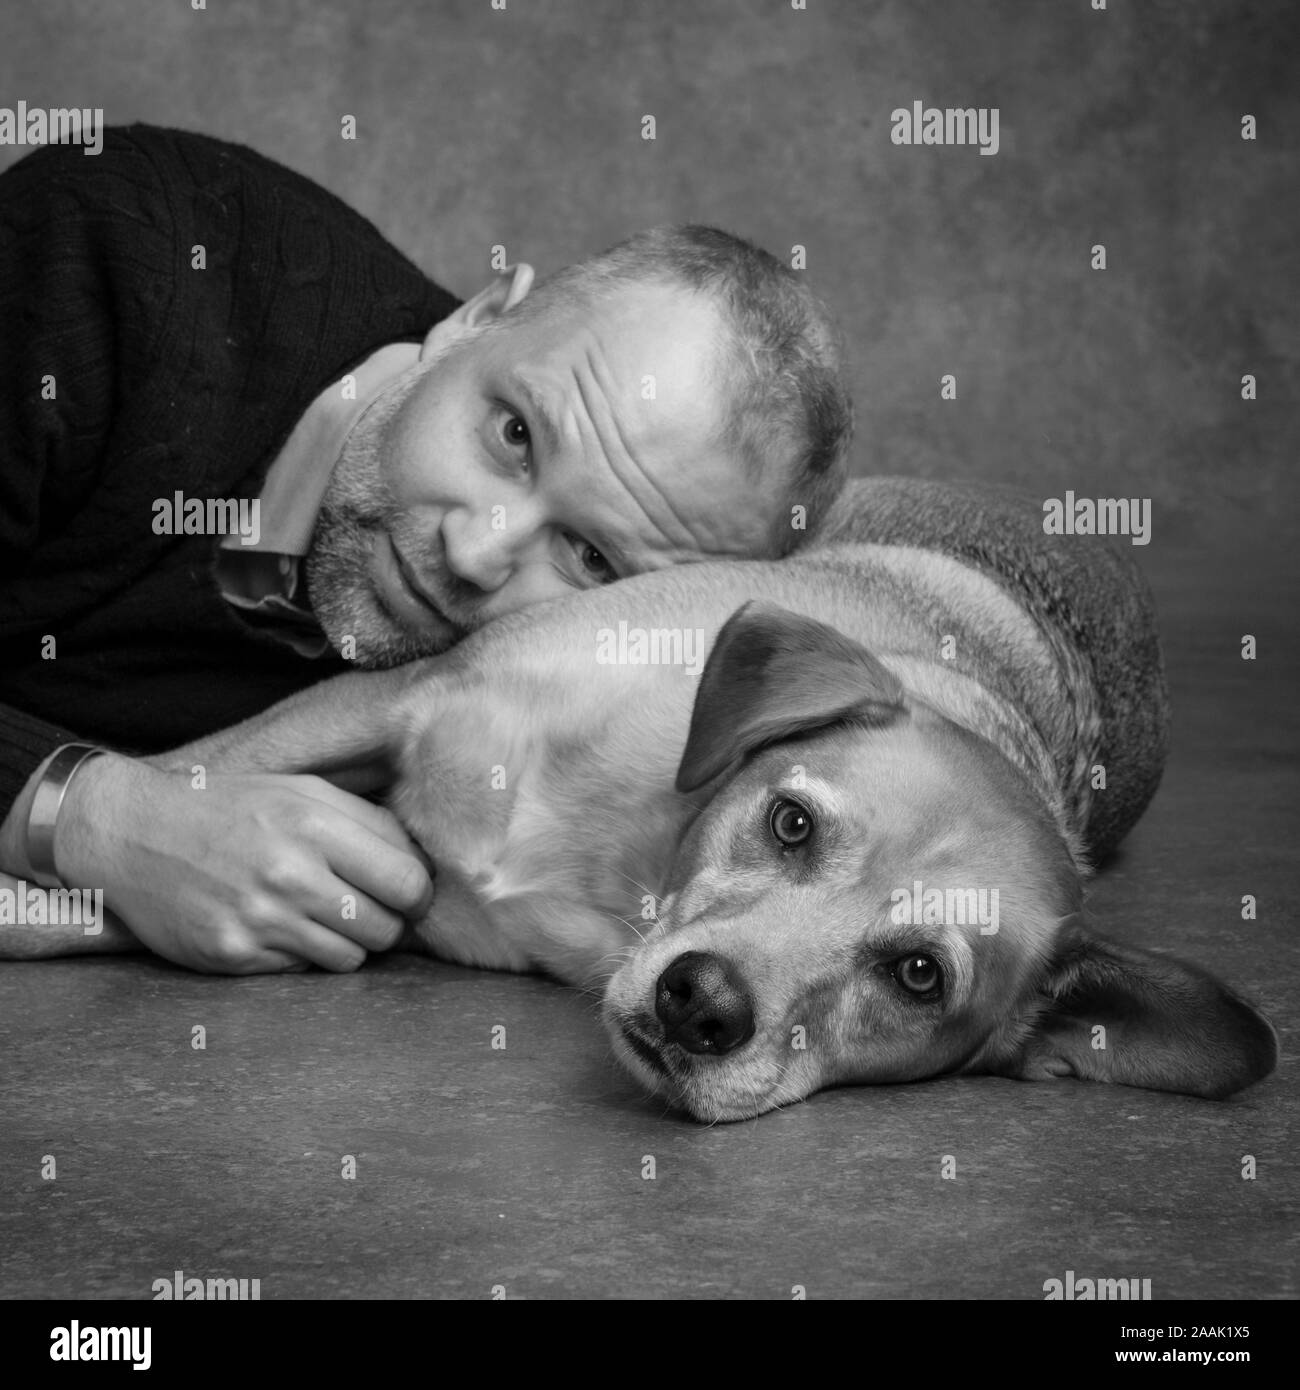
[
  {"x": 515, "y": 431},
  {"x": 594, "y": 563}
]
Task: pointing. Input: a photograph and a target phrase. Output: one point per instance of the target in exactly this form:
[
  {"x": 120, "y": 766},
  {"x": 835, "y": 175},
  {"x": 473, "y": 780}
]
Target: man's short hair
[{"x": 789, "y": 408}]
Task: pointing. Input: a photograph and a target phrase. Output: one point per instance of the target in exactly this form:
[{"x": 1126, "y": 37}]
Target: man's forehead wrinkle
[
  {"x": 600, "y": 428},
  {"x": 628, "y": 476}
]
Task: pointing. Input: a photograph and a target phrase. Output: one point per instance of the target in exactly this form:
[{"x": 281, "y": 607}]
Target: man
[{"x": 187, "y": 329}]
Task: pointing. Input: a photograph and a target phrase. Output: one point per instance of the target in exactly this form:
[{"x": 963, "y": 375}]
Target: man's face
[{"x": 543, "y": 457}]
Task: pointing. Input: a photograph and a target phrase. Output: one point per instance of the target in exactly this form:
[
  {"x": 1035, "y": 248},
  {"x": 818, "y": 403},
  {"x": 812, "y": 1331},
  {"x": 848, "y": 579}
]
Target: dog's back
[{"x": 1092, "y": 605}]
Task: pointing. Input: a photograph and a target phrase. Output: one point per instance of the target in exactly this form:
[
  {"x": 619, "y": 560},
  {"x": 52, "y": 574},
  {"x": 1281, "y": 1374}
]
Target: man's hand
[{"x": 253, "y": 873}]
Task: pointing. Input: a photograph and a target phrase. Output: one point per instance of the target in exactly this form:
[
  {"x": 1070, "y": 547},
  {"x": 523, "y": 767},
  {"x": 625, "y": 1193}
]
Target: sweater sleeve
[
  {"x": 69, "y": 224},
  {"x": 71, "y": 228},
  {"x": 25, "y": 743}
]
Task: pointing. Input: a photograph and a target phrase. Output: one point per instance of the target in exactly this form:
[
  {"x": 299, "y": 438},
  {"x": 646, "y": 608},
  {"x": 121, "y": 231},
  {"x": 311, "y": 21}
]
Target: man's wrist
[
  {"x": 91, "y": 811},
  {"x": 14, "y": 857},
  {"x": 47, "y": 802}
]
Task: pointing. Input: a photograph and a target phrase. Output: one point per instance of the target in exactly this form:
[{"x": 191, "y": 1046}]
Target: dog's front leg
[
  {"x": 221, "y": 901},
  {"x": 345, "y": 729}
]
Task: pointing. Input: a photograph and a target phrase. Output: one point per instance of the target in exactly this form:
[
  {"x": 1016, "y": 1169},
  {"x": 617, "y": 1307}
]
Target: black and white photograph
[{"x": 648, "y": 653}]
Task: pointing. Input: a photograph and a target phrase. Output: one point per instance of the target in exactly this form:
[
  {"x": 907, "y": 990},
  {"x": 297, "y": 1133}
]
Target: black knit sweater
[{"x": 164, "y": 377}]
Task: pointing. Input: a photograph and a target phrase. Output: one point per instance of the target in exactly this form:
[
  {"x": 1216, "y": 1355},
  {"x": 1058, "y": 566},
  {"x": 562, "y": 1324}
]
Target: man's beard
[{"x": 358, "y": 507}]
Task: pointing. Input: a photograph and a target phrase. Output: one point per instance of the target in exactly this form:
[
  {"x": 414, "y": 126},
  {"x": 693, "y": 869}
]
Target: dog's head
[{"x": 874, "y": 894}]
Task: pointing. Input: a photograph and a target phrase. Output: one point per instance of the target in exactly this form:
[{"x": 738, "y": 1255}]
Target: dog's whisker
[
  {"x": 644, "y": 888},
  {"x": 633, "y": 928},
  {"x": 621, "y": 954}
]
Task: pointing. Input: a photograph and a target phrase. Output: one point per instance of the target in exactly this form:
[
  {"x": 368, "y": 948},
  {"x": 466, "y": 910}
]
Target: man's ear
[
  {"x": 771, "y": 675},
  {"x": 1117, "y": 1013},
  {"x": 504, "y": 291}
]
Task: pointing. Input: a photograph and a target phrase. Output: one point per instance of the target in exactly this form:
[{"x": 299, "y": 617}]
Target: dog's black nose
[{"x": 702, "y": 1004}]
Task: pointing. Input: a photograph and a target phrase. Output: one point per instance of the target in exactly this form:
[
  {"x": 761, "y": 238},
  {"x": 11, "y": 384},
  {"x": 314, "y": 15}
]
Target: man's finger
[
  {"x": 309, "y": 942},
  {"x": 261, "y": 962},
  {"x": 394, "y": 878},
  {"x": 344, "y": 908},
  {"x": 377, "y": 819}
]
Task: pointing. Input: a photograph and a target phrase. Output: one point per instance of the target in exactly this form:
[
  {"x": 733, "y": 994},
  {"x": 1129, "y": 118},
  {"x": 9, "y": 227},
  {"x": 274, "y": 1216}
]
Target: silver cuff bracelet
[{"x": 44, "y": 815}]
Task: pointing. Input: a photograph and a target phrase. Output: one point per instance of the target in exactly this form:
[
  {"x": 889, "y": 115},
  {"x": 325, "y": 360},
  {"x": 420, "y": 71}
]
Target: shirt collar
[{"x": 300, "y": 473}]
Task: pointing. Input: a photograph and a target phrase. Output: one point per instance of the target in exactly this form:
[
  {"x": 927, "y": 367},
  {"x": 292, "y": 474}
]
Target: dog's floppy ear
[
  {"x": 773, "y": 674},
  {"x": 1120, "y": 1014}
]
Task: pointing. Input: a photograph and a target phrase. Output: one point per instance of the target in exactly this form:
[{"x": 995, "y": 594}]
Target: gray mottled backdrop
[{"x": 522, "y": 126}]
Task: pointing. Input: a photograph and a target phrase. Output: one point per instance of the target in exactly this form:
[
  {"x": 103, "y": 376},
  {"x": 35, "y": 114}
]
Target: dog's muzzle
[{"x": 703, "y": 1005}]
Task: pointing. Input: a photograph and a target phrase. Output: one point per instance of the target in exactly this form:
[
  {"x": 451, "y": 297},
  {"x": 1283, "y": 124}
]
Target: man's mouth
[{"x": 407, "y": 597}]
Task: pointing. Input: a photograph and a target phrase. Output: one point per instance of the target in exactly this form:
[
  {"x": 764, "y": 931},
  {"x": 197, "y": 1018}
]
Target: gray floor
[{"x": 523, "y": 1167}]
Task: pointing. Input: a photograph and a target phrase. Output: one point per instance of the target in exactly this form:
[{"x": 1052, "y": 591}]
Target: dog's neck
[{"x": 974, "y": 708}]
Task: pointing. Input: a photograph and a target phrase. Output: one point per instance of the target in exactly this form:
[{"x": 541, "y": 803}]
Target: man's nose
[{"x": 482, "y": 547}]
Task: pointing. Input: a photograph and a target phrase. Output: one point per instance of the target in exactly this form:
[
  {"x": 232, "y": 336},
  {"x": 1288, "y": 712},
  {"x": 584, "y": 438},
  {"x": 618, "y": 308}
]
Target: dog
[{"x": 850, "y": 847}]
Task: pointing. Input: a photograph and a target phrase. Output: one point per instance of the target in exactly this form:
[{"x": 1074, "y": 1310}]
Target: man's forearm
[{"x": 13, "y": 830}]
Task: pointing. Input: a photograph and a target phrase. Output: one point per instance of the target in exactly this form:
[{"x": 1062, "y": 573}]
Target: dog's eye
[
  {"x": 790, "y": 823},
  {"x": 918, "y": 975}
]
